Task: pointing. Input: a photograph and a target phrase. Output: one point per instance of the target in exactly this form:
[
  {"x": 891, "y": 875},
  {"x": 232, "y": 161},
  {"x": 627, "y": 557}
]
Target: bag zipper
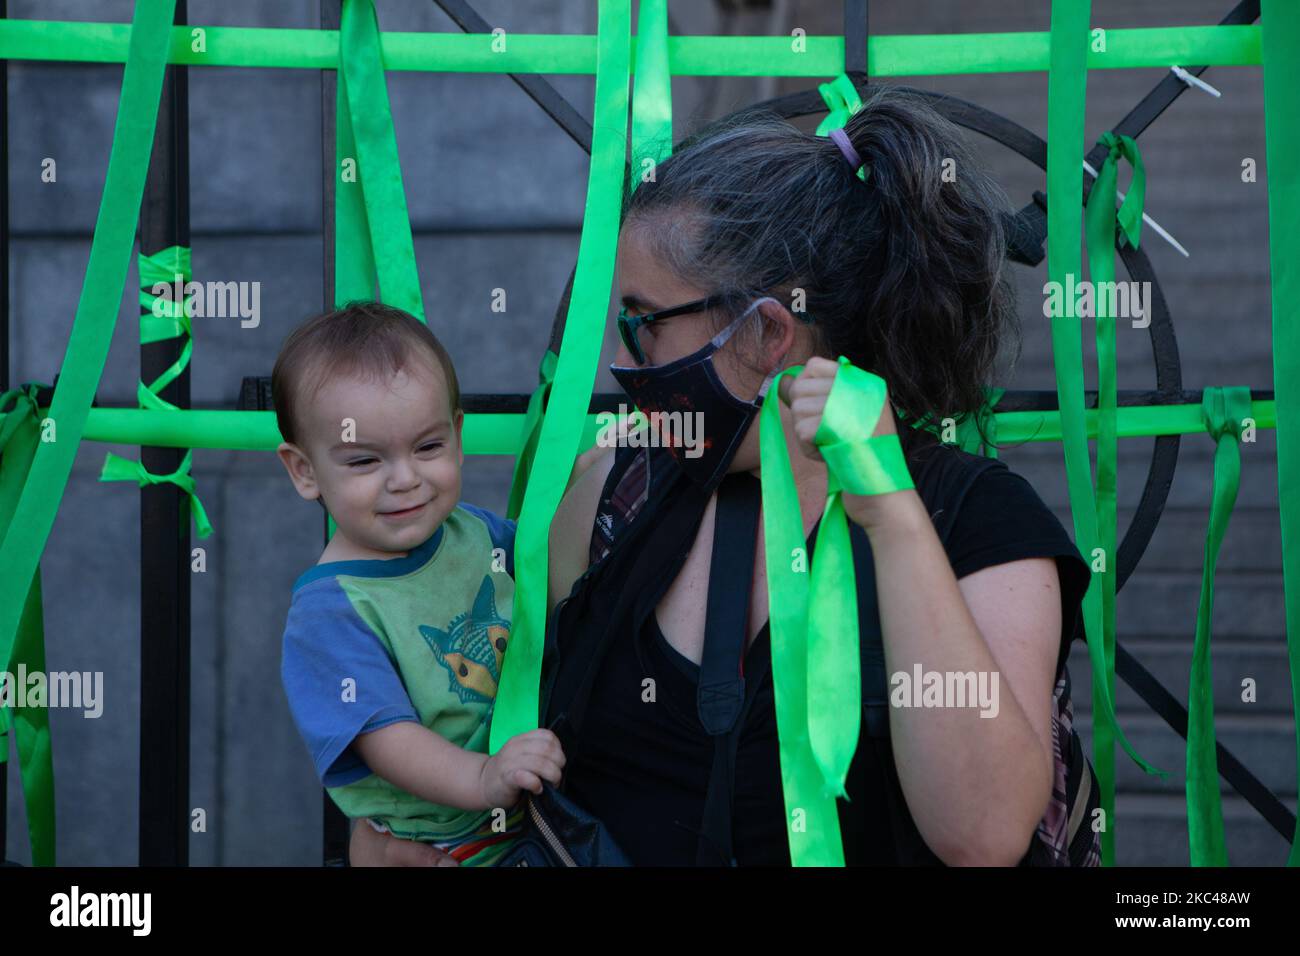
[{"x": 549, "y": 835}]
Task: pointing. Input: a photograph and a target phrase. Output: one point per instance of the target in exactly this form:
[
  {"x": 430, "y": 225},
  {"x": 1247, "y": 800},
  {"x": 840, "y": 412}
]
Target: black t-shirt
[{"x": 645, "y": 765}]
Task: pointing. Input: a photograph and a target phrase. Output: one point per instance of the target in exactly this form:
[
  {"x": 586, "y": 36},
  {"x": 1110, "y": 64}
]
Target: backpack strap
[{"x": 721, "y": 698}]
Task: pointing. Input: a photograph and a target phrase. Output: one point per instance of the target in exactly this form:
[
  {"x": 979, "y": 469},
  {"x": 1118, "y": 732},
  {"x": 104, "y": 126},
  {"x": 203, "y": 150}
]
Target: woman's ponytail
[
  {"x": 936, "y": 297},
  {"x": 904, "y": 273}
]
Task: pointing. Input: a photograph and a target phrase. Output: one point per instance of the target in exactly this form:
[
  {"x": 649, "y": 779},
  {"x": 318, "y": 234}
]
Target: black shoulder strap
[
  {"x": 721, "y": 696},
  {"x": 735, "y": 528}
]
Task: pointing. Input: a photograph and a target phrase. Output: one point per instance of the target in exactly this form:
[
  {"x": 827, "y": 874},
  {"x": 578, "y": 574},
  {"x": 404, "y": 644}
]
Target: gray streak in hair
[{"x": 904, "y": 274}]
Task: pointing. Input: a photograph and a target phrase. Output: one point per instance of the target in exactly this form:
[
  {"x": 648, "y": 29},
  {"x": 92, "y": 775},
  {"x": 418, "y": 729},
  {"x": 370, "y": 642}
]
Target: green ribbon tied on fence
[
  {"x": 1129, "y": 216},
  {"x": 373, "y": 202},
  {"x": 1101, "y": 220},
  {"x": 652, "y": 100},
  {"x": 842, "y": 101},
  {"x": 117, "y": 468},
  {"x": 814, "y": 623},
  {"x": 167, "y": 317},
  {"x": 1224, "y": 411}
]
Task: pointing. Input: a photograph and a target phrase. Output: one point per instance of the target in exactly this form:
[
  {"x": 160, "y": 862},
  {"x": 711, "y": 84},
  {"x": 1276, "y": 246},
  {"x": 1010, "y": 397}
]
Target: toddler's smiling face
[{"x": 385, "y": 456}]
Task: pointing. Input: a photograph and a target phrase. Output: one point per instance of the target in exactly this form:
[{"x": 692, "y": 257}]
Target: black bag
[{"x": 557, "y": 832}]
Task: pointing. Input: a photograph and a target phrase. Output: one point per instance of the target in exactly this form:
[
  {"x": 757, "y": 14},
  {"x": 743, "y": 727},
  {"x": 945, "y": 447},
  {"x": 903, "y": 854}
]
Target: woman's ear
[
  {"x": 300, "y": 470},
  {"x": 779, "y": 333}
]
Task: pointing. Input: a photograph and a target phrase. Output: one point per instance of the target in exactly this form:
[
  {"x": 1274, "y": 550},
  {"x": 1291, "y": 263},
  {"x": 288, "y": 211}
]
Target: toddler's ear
[
  {"x": 458, "y": 424},
  {"x": 300, "y": 470}
]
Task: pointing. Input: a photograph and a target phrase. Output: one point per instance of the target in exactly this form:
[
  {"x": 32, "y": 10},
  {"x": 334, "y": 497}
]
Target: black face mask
[{"x": 690, "y": 386}]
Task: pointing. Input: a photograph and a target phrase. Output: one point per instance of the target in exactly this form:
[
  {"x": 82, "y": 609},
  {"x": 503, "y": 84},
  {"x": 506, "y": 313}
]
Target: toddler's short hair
[{"x": 366, "y": 338}]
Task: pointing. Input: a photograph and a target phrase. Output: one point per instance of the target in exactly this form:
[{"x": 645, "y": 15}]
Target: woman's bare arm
[
  {"x": 570, "y": 540},
  {"x": 976, "y": 786}
]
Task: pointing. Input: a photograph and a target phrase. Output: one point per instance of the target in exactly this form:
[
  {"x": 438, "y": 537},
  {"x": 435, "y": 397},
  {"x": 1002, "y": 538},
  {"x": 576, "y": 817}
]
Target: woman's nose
[{"x": 623, "y": 357}]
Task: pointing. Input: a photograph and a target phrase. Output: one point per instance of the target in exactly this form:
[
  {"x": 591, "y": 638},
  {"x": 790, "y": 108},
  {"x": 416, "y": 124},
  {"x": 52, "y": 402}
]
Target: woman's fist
[{"x": 806, "y": 395}]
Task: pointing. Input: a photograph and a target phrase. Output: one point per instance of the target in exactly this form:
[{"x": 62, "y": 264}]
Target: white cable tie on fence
[
  {"x": 1160, "y": 230},
  {"x": 1196, "y": 81}
]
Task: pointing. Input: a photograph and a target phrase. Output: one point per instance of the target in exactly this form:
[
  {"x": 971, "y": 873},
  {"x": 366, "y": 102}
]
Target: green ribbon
[
  {"x": 373, "y": 245},
  {"x": 980, "y": 430},
  {"x": 1067, "y": 83},
  {"x": 531, "y": 433},
  {"x": 652, "y": 99},
  {"x": 1100, "y": 219},
  {"x": 842, "y": 101},
  {"x": 164, "y": 318},
  {"x": 814, "y": 623},
  {"x": 354, "y": 261},
  {"x": 1224, "y": 409},
  {"x": 1129, "y": 216},
  {"x": 652, "y": 139},
  {"x": 37, "y": 502},
  {"x": 1281, "y": 59},
  {"x": 1101, "y": 233},
  {"x": 517, "y": 704},
  {"x": 499, "y": 434},
  {"x": 117, "y": 468},
  {"x": 19, "y": 437},
  {"x": 363, "y": 87},
  {"x": 906, "y": 55}
]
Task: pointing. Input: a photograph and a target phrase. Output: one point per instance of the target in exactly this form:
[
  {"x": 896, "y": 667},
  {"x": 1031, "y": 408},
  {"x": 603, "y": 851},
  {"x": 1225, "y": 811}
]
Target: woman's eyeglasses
[{"x": 629, "y": 324}]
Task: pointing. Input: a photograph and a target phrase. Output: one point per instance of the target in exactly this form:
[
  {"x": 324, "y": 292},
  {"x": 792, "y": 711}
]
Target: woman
[{"x": 767, "y": 250}]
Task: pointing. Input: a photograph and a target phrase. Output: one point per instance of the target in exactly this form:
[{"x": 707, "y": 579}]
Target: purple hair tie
[{"x": 846, "y": 147}]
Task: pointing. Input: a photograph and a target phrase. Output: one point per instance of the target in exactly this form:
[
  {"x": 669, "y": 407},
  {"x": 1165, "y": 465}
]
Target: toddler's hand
[{"x": 522, "y": 763}]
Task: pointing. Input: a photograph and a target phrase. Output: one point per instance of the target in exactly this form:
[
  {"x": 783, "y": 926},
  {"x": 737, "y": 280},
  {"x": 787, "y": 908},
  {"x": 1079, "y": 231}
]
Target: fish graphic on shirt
[{"x": 472, "y": 647}]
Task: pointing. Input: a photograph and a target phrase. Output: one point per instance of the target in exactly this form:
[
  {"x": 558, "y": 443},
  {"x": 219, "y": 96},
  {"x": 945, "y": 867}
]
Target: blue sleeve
[
  {"x": 326, "y": 643},
  {"x": 501, "y": 530}
]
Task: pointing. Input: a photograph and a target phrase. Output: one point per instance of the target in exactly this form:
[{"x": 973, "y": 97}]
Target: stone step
[
  {"x": 1265, "y": 745},
  {"x": 1151, "y": 830},
  {"x": 1170, "y": 663}
]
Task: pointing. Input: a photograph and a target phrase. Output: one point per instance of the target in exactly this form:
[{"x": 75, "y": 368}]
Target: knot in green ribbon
[
  {"x": 1223, "y": 409},
  {"x": 24, "y": 410},
  {"x": 117, "y": 468},
  {"x": 1130, "y": 211},
  {"x": 842, "y": 101},
  {"x": 165, "y": 317}
]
